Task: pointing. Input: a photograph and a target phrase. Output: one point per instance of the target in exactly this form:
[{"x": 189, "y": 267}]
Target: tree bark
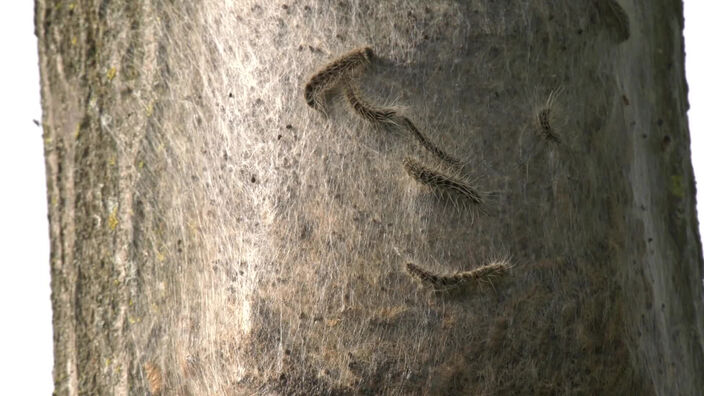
[{"x": 211, "y": 233}]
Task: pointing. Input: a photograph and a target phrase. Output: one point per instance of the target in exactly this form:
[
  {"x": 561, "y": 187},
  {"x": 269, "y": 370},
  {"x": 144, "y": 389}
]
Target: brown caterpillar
[
  {"x": 546, "y": 128},
  {"x": 616, "y": 18},
  {"x": 437, "y": 281},
  {"x": 380, "y": 115},
  {"x": 439, "y": 182},
  {"x": 427, "y": 144},
  {"x": 331, "y": 74},
  {"x": 154, "y": 379},
  {"x": 375, "y": 115}
]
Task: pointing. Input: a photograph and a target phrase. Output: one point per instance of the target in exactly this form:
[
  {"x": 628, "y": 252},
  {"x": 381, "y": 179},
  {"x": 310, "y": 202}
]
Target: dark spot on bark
[
  {"x": 253, "y": 179},
  {"x": 660, "y": 121},
  {"x": 666, "y": 142}
]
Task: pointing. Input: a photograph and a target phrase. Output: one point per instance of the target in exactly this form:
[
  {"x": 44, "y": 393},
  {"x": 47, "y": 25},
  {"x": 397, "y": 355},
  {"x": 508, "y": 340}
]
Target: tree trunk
[{"x": 212, "y": 233}]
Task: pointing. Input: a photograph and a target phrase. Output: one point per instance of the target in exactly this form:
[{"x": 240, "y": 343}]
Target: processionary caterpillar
[
  {"x": 544, "y": 124},
  {"x": 154, "y": 379},
  {"x": 545, "y": 127},
  {"x": 440, "y": 182},
  {"x": 331, "y": 74},
  {"x": 437, "y": 281},
  {"x": 427, "y": 144},
  {"x": 389, "y": 116},
  {"x": 371, "y": 113}
]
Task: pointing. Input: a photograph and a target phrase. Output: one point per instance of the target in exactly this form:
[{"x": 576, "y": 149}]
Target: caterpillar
[
  {"x": 437, "y": 281},
  {"x": 440, "y": 182},
  {"x": 427, "y": 144},
  {"x": 380, "y": 115},
  {"x": 545, "y": 127},
  {"x": 544, "y": 124},
  {"x": 154, "y": 378},
  {"x": 375, "y": 115},
  {"x": 331, "y": 74}
]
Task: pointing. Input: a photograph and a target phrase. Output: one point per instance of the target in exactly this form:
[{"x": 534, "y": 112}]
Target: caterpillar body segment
[{"x": 330, "y": 75}]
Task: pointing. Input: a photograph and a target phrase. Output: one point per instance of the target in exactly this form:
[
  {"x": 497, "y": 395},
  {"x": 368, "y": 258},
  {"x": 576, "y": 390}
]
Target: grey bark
[{"x": 213, "y": 234}]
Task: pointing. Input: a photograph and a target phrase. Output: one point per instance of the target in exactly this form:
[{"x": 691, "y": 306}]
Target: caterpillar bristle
[
  {"x": 330, "y": 74},
  {"x": 441, "y": 183}
]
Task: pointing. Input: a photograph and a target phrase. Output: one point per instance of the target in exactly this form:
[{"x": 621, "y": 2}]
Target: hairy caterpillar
[
  {"x": 437, "y": 281},
  {"x": 546, "y": 128},
  {"x": 427, "y": 144},
  {"x": 439, "y": 182},
  {"x": 375, "y": 115},
  {"x": 331, "y": 74},
  {"x": 154, "y": 378},
  {"x": 616, "y": 17},
  {"x": 380, "y": 115}
]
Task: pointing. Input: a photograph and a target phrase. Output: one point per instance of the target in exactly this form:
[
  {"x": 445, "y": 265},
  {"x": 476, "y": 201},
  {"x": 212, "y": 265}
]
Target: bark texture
[{"x": 213, "y": 234}]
